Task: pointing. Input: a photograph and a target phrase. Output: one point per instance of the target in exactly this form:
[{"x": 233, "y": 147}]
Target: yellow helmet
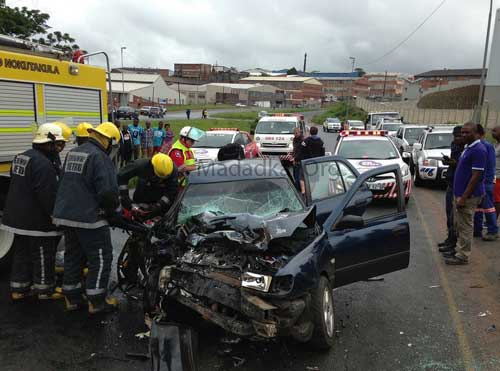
[
  {"x": 82, "y": 129},
  {"x": 66, "y": 130},
  {"x": 108, "y": 130},
  {"x": 163, "y": 165}
]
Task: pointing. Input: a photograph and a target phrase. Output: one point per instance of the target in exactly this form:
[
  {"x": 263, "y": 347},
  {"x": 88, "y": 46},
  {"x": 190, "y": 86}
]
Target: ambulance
[
  {"x": 274, "y": 132},
  {"x": 34, "y": 90}
]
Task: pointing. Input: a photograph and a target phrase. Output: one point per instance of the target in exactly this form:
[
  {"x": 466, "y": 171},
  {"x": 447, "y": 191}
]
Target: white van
[
  {"x": 274, "y": 133},
  {"x": 375, "y": 117}
]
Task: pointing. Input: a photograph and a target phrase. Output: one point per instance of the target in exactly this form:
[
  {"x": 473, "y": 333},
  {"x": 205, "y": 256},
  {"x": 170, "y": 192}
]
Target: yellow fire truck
[{"x": 35, "y": 90}]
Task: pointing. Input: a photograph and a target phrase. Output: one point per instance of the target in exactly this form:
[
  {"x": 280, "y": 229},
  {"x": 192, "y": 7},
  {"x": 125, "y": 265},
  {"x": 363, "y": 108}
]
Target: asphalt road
[{"x": 427, "y": 317}]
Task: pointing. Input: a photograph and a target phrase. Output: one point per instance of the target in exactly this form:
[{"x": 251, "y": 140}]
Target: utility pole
[
  {"x": 179, "y": 90},
  {"x": 480, "y": 99},
  {"x": 353, "y": 59},
  {"x": 305, "y": 64},
  {"x": 123, "y": 82},
  {"x": 385, "y": 83}
]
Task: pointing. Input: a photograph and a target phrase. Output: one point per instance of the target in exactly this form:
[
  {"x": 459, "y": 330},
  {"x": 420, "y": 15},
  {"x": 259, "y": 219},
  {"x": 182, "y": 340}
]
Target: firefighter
[
  {"x": 86, "y": 199},
  {"x": 27, "y": 214},
  {"x": 82, "y": 133},
  {"x": 181, "y": 152},
  {"x": 157, "y": 186},
  {"x": 60, "y": 144}
]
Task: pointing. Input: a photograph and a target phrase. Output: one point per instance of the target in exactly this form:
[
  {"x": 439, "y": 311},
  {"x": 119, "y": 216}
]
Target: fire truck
[{"x": 38, "y": 87}]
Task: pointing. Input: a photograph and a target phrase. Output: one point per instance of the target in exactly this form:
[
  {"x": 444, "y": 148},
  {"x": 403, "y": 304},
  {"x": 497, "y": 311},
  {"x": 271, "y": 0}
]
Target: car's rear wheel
[
  {"x": 322, "y": 310},
  {"x": 416, "y": 179}
]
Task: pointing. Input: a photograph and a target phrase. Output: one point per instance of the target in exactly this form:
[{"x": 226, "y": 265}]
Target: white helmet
[
  {"x": 191, "y": 133},
  {"x": 47, "y": 133}
]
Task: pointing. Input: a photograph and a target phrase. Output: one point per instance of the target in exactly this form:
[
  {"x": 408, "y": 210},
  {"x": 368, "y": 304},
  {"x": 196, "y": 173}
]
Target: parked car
[
  {"x": 144, "y": 111},
  {"x": 355, "y": 125},
  {"x": 256, "y": 259},
  {"x": 406, "y": 136},
  {"x": 390, "y": 125},
  {"x": 156, "y": 112},
  {"x": 427, "y": 155},
  {"x": 332, "y": 124},
  {"x": 126, "y": 113}
]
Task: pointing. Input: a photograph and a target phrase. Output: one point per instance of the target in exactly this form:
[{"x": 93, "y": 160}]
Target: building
[
  {"x": 376, "y": 85},
  {"x": 297, "y": 90},
  {"x": 136, "y": 89},
  {"x": 194, "y": 94},
  {"x": 492, "y": 86},
  {"x": 434, "y": 78},
  {"x": 163, "y": 72},
  {"x": 198, "y": 71},
  {"x": 336, "y": 84}
]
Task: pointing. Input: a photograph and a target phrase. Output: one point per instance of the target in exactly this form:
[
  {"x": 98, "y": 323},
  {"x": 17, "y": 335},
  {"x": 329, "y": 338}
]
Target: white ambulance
[{"x": 274, "y": 133}]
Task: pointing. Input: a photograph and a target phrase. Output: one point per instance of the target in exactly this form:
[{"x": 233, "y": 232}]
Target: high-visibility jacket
[{"x": 181, "y": 155}]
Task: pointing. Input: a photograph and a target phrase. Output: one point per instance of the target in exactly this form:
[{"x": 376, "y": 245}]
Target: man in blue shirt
[
  {"x": 136, "y": 131},
  {"x": 468, "y": 189},
  {"x": 158, "y": 137},
  {"x": 486, "y": 209}
]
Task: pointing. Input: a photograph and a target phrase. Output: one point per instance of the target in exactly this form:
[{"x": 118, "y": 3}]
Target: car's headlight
[
  {"x": 256, "y": 281},
  {"x": 405, "y": 170},
  {"x": 430, "y": 162},
  {"x": 257, "y": 139}
]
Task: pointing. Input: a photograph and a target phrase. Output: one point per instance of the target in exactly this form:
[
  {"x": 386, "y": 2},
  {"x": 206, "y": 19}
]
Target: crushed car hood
[{"x": 250, "y": 232}]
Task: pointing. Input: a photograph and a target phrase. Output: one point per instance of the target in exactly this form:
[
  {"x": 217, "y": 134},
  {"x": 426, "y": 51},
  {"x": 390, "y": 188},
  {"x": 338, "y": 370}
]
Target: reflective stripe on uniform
[
  {"x": 94, "y": 292},
  {"x": 165, "y": 199},
  {"x": 39, "y": 286},
  {"x": 101, "y": 266},
  {"x": 72, "y": 287},
  {"x": 42, "y": 266},
  {"x": 26, "y": 232},
  {"x": 19, "y": 285},
  {"x": 72, "y": 223}
]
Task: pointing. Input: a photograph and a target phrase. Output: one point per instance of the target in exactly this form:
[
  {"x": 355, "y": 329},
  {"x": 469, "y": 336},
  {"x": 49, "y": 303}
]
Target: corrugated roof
[
  {"x": 331, "y": 75},
  {"x": 126, "y": 87},
  {"x": 308, "y": 80},
  {"x": 451, "y": 72},
  {"x": 135, "y": 77}
]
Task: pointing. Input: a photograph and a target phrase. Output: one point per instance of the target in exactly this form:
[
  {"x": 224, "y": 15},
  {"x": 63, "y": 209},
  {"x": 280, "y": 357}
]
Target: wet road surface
[{"x": 427, "y": 317}]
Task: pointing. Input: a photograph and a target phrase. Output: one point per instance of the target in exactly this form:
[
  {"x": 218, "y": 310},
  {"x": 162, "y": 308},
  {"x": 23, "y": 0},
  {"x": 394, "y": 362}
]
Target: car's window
[
  {"x": 348, "y": 176},
  {"x": 438, "y": 140},
  {"x": 239, "y": 139},
  {"x": 390, "y": 127},
  {"x": 368, "y": 149},
  {"x": 245, "y": 139},
  {"x": 213, "y": 140},
  {"x": 275, "y": 127},
  {"x": 324, "y": 180},
  {"x": 412, "y": 134},
  {"x": 260, "y": 197}
]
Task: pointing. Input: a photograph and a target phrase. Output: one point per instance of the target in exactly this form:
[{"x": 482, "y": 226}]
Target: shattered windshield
[
  {"x": 260, "y": 197},
  {"x": 214, "y": 140}
]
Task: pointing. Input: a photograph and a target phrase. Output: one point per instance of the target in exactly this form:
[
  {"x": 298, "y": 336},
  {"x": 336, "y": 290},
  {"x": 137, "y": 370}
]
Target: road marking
[{"x": 452, "y": 305}]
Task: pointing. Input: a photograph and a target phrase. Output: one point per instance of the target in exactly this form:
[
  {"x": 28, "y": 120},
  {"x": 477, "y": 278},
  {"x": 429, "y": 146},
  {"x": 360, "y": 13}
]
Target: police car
[
  {"x": 206, "y": 149},
  {"x": 369, "y": 149},
  {"x": 274, "y": 133},
  {"x": 427, "y": 155}
]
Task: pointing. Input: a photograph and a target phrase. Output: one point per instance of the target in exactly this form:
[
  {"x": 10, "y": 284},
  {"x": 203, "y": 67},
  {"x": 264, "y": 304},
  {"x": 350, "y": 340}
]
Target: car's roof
[
  {"x": 439, "y": 131},
  {"x": 233, "y": 170},
  {"x": 406, "y": 126}
]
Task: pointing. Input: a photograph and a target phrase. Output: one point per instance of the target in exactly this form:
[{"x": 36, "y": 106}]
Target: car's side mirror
[
  {"x": 350, "y": 222},
  {"x": 417, "y": 146}
]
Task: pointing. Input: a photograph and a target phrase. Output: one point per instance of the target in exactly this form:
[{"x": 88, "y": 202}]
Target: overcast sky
[{"x": 275, "y": 34}]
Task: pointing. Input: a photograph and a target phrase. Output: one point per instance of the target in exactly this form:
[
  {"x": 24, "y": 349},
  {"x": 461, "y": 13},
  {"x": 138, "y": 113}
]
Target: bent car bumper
[
  {"x": 432, "y": 173},
  {"x": 388, "y": 190}
]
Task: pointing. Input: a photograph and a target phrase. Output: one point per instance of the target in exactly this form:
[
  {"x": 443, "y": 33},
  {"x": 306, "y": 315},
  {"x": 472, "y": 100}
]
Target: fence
[{"x": 414, "y": 115}]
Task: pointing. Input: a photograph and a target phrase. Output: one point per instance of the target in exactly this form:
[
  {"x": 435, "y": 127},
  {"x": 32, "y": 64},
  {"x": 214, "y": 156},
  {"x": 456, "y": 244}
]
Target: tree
[
  {"x": 292, "y": 71},
  {"x": 26, "y": 23},
  {"x": 361, "y": 72}
]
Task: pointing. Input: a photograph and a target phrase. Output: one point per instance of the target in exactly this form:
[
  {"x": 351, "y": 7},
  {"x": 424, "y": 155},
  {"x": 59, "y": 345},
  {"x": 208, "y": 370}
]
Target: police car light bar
[
  {"x": 349, "y": 133},
  {"x": 224, "y": 129}
]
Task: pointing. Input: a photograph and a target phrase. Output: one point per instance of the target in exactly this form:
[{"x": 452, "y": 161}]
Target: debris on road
[
  {"x": 143, "y": 335},
  {"x": 139, "y": 356},
  {"x": 476, "y": 286},
  {"x": 375, "y": 279},
  {"x": 410, "y": 345},
  {"x": 401, "y": 333},
  {"x": 434, "y": 286},
  {"x": 484, "y": 314},
  {"x": 492, "y": 328},
  {"x": 312, "y": 368}
]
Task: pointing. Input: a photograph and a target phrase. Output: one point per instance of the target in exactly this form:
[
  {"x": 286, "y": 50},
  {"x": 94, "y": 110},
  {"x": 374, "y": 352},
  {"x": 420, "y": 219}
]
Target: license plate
[{"x": 376, "y": 186}]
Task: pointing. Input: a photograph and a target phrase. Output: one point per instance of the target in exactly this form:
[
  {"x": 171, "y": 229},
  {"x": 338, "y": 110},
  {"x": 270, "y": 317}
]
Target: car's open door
[{"x": 368, "y": 236}]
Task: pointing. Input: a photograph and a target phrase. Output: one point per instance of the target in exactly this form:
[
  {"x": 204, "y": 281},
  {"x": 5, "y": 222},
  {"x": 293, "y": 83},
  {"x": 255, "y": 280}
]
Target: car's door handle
[{"x": 399, "y": 230}]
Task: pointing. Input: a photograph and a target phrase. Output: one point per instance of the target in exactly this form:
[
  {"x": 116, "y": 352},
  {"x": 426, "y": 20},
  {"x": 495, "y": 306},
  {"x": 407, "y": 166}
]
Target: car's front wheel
[
  {"x": 322, "y": 310},
  {"x": 416, "y": 178}
]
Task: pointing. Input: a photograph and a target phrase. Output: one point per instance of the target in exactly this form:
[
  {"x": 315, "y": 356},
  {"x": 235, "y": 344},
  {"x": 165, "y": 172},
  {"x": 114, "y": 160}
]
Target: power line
[{"x": 407, "y": 37}]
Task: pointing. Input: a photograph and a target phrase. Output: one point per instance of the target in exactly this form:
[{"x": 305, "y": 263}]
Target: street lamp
[
  {"x": 479, "y": 108},
  {"x": 123, "y": 82},
  {"x": 353, "y": 59}
]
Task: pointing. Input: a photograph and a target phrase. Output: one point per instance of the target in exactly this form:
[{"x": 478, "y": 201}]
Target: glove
[{"x": 125, "y": 199}]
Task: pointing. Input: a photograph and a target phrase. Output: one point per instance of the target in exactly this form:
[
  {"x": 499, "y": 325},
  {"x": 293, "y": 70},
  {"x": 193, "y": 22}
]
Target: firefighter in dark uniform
[
  {"x": 86, "y": 199},
  {"x": 82, "y": 133},
  {"x": 157, "y": 186},
  {"x": 27, "y": 214}
]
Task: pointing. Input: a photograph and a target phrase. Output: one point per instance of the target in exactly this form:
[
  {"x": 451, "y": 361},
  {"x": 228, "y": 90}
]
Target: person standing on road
[
  {"x": 298, "y": 138},
  {"x": 457, "y": 146},
  {"x": 313, "y": 145},
  {"x": 182, "y": 154},
  {"x": 136, "y": 131},
  {"x": 147, "y": 140},
  {"x": 126, "y": 147},
  {"x": 27, "y": 214},
  {"x": 188, "y": 113},
  {"x": 486, "y": 211},
  {"x": 496, "y": 197},
  {"x": 86, "y": 199},
  {"x": 204, "y": 114},
  {"x": 468, "y": 189},
  {"x": 159, "y": 135}
]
